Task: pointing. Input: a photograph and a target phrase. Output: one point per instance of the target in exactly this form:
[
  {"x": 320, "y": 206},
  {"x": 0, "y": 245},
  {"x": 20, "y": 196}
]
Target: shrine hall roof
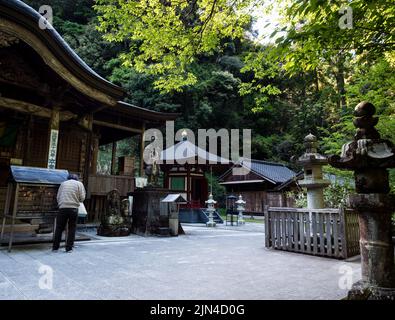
[
  {"x": 25, "y": 15},
  {"x": 186, "y": 150},
  {"x": 275, "y": 173}
]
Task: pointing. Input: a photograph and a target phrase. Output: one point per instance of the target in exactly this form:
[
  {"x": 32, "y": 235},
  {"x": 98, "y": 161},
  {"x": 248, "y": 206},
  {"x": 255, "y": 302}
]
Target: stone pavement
[{"x": 217, "y": 263}]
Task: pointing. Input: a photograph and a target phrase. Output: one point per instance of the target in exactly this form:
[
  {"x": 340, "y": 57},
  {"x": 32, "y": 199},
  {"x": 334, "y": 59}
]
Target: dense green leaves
[
  {"x": 171, "y": 34},
  {"x": 199, "y": 58}
]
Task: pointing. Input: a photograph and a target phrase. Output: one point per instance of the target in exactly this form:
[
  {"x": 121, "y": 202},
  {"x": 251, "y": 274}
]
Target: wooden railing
[
  {"x": 323, "y": 232},
  {"x": 100, "y": 185}
]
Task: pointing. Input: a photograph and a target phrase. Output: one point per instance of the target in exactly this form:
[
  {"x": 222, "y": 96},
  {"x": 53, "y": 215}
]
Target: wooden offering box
[{"x": 31, "y": 194}]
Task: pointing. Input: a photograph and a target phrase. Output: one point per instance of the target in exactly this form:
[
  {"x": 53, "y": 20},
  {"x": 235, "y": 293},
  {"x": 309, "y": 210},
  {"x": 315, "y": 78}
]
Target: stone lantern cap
[
  {"x": 210, "y": 200},
  {"x": 240, "y": 201},
  {"x": 311, "y": 156},
  {"x": 367, "y": 150},
  {"x": 367, "y": 155}
]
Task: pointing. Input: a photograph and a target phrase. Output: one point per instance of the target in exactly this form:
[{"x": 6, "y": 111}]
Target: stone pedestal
[
  {"x": 147, "y": 218},
  {"x": 315, "y": 197},
  {"x": 173, "y": 223},
  {"x": 377, "y": 250},
  {"x": 362, "y": 290},
  {"x": 211, "y": 224}
]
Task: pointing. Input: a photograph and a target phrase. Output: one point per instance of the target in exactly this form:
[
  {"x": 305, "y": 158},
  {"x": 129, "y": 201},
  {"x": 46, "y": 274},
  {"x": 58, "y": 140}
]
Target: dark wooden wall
[
  {"x": 36, "y": 143},
  {"x": 70, "y": 149},
  {"x": 256, "y": 200}
]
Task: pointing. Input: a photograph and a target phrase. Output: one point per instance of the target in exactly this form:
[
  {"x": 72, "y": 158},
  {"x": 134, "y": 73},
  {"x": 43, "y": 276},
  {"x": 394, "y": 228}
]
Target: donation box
[{"x": 31, "y": 194}]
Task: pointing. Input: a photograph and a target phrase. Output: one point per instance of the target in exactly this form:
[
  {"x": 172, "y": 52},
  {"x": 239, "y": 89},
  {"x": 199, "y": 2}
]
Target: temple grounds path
[{"x": 221, "y": 263}]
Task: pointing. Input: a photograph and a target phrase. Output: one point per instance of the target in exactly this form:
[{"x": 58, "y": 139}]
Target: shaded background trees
[{"x": 308, "y": 79}]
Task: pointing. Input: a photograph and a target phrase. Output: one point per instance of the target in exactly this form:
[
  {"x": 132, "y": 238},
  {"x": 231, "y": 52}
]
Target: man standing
[{"x": 70, "y": 194}]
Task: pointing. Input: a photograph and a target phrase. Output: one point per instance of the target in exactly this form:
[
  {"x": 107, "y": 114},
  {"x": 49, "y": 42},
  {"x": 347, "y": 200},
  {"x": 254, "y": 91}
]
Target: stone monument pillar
[
  {"x": 312, "y": 163},
  {"x": 147, "y": 216},
  {"x": 369, "y": 156}
]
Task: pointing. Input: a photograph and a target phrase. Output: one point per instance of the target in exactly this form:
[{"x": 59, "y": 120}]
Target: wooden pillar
[
  {"x": 95, "y": 154},
  {"x": 189, "y": 192},
  {"x": 142, "y": 150},
  {"x": 113, "y": 157},
  {"x": 28, "y": 138},
  {"x": 20, "y": 143},
  {"x": 166, "y": 183},
  {"x": 88, "y": 149},
  {"x": 53, "y": 139}
]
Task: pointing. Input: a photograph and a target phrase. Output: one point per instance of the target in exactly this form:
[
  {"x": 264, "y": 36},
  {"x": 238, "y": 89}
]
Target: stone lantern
[
  {"x": 369, "y": 157},
  {"x": 210, "y": 209},
  {"x": 312, "y": 163},
  {"x": 240, "y": 207}
]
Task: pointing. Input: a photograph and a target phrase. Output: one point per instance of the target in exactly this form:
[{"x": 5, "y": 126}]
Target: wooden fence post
[
  {"x": 343, "y": 231},
  {"x": 267, "y": 226}
]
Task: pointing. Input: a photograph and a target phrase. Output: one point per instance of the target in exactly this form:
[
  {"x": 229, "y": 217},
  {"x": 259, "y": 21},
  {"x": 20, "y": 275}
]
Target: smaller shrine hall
[{"x": 184, "y": 165}]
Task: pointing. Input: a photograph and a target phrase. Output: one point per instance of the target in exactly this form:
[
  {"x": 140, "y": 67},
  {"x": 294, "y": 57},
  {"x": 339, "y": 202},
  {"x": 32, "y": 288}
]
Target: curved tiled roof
[
  {"x": 185, "y": 150},
  {"x": 144, "y": 113},
  {"x": 26, "y": 16},
  {"x": 275, "y": 172}
]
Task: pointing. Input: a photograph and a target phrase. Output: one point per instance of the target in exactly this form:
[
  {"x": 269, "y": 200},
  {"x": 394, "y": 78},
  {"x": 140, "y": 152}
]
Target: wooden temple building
[
  {"x": 55, "y": 111},
  {"x": 266, "y": 183}
]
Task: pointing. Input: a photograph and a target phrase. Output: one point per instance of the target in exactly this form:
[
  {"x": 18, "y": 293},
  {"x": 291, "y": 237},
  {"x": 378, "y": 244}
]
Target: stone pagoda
[
  {"x": 312, "y": 163},
  {"x": 369, "y": 157}
]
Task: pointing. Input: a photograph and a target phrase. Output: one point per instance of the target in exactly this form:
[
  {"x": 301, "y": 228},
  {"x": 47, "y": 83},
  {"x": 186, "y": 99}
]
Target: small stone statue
[
  {"x": 113, "y": 222},
  {"x": 152, "y": 169}
]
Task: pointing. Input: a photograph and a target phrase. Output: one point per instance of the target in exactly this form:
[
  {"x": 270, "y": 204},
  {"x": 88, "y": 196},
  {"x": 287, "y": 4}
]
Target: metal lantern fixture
[
  {"x": 240, "y": 207},
  {"x": 210, "y": 209},
  {"x": 231, "y": 209}
]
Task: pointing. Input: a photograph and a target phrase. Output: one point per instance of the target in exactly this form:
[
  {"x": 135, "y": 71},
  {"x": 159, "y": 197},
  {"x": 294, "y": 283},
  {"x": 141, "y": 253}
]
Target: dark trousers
[{"x": 64, "y": 217}]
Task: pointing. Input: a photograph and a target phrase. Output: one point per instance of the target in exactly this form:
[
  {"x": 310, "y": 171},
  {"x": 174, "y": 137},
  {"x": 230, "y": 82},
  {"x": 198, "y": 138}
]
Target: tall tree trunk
[
  {"x": 316, "y": 81},
  {"x": 340, "y": 83}
]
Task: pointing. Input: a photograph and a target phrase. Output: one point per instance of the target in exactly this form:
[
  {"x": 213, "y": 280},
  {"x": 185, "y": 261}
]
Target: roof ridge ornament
[{"x": 184, "y": 135}]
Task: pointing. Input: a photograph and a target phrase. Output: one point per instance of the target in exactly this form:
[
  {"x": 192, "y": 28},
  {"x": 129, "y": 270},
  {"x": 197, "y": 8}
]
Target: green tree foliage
[
  {"x": 78, "y": 11},
  {"x": 195, "y": 58},
  {"x": 218, "y": 190},
  {"x": 167, "y": 36}
]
